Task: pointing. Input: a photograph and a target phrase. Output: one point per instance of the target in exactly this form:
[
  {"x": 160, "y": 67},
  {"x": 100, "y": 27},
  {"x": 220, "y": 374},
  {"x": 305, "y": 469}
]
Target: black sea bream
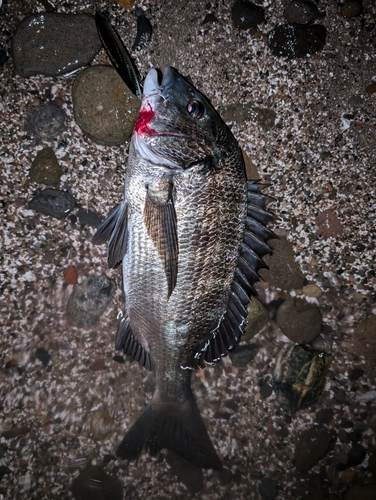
[{"x": 190, "y": 234}]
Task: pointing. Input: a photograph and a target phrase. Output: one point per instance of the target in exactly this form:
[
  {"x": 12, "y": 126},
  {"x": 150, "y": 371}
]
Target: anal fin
[{"x": 126, "y": 341}]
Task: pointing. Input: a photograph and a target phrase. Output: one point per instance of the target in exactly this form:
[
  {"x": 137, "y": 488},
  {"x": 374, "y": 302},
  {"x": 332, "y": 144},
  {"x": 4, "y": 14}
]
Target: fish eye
[{"x": 195, "y": 109}]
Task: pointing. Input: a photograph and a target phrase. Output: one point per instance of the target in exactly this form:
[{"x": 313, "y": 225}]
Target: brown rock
[
  {"x": 327, "y": 224},
  {"x": 45, "y": 168},
  {"x": 299, "y": 320},
  {"x": 70, "y": 275},
  {"x": 104, "y": 107},
  {"x": 371, "y": 88}
]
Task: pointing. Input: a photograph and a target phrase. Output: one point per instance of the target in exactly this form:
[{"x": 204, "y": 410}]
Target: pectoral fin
[
  {"x": 113, "y": 230},
  {"x": 160, "y": 221}
]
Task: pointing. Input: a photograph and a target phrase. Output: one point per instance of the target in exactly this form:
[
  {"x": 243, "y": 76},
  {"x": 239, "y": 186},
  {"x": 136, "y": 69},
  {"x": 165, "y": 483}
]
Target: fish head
[{"x": 176, "y": 127}]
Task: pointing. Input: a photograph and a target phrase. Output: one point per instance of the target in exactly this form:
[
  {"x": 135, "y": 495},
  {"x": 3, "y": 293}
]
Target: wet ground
[{"x": 318, "y": 157}]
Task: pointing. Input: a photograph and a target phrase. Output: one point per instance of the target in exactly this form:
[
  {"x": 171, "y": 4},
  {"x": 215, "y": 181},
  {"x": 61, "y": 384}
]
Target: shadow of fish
[{"x": 191, "y": 233}]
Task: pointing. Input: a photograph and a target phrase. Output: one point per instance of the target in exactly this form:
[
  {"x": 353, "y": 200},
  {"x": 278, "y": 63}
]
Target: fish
[{"x": 191, "y": 234}]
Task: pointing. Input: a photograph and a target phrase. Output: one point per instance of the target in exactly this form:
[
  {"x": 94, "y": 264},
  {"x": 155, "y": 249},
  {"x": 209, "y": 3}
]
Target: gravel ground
[{"x": 319, "y": 156}]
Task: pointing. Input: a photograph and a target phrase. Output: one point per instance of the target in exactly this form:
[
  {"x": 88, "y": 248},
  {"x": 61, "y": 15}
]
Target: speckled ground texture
[{"x": 313, "y": 160}]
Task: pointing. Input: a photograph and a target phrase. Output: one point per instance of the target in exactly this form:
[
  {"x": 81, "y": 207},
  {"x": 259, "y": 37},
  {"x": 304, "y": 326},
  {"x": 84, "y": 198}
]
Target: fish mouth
[{"x": 152, "y": 84}]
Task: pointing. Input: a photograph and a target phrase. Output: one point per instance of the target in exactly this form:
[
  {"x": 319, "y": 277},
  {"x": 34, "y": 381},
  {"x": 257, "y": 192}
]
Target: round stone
[
  {"x": 104, "y": 107},
  {"x": 299, "y": 320},
  {"x": 45, "y": 168},
  {"x": 45, "y": 122}
]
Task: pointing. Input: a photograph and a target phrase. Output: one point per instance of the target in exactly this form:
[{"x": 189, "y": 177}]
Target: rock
[
  {"x": 94, "y": 484},
  {"x": 43, "y": 355},
  {"x": 189, "y": 474},
  {"x": 45, "y": 122},
  {"x": 358, "y": 491},
  {"x": 356, "y": 455},
  {"x": 324, "y": 416},
  {"x": 299, "y": 320},
  {"x": 327, "y": 224},
  {"x": 101, "y": 424},
  {"x": 246, "y": 15},
  {"x": 365, "y": 338},
  {"x": 283, "y": 271},
  {"x": 243, "y": 354},
  {"x": 312, "y": 291},
  {"x": 89, "y": 300},
  {"x": 265, "y": 117},
  {"x": 3, "y": 471},
  {"x": 268, "y": 488},
  {"x": 371, "y": 88},
  {"x": 4, "y": 56},
  {"x": 266, "y": 390},
  {"x": 144, "y": 30},
  {"x": 53, "y": 44},
  {"x": 104, "y": 107},
  {"x": 301, "y": 12},
  {"x": 88, "y": 218},
  {"x": 70, "y": 275},
  {"x": 53, "y": 202},
  {"x": 257, "y": 318},
  {"x": 351, "y": 8},
  {"x": 356, "y": 373},
  {"x": 126, "y": 4},
  {"x": 315, "y": 490},
  {"x": 15, "y": 431},
  {"x": 45, "y": 168},
  {"x": 310, "y": 447},
  {"x": 299, "y": 377},
  {"x": 339, "y": 396},
  {"x": 294, "y": 40}
]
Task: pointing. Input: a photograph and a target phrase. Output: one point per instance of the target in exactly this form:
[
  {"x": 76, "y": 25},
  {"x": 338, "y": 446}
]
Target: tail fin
[{"x": 177, "y": 427}]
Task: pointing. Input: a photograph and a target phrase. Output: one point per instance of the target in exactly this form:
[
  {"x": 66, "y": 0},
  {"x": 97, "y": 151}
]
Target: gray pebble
[
  {"x": 247, "y": 15},
  {"x": 299, "y": 320},
  {"x": 301, "y": 11},
  {"x": 310, "y": 447},
  {"x": 293, "y": 40},
  {"x": 351, "y": 8},
  {"x": 53, "y": 44},
  {"x": 104, "y": 107},
  {"x": 93, "y": 483},
  {"x": 89, "y": 300},
  {"x": 53, "y": 202},
  {"x": 268, "y": 488},
  {"x": 243, "y": 354},
  {"x": 45, "y": 168},
  {"x": 88, "y": 218},
  {"x": 45, "y": 122}
]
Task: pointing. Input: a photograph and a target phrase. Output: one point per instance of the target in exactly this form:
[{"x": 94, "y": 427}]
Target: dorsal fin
[{"x": 253, "y": 248}]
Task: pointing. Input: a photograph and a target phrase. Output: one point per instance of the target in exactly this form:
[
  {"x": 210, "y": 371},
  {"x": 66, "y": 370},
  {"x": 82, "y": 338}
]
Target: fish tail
[{"x": 177, "y": 427}]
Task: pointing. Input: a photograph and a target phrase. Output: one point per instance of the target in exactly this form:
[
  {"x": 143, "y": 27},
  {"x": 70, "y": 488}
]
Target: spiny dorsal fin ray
[
  {"x": 161, "y": 225},
  {"x": 126, "y": 341},
  {"x": 113, "y": 230},
  {"x": 253, "y": 248}
]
